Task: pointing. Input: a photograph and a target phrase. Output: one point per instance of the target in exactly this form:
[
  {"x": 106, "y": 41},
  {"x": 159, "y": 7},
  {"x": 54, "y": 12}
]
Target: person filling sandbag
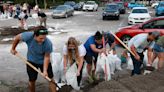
[
  {"x": 73, "y": 58},
  {"x": 94, "y": 46},
  {"x": 157, "y": 51},
  {"x": 138, "y": 44},
  {"x": 39, "y": 50}
]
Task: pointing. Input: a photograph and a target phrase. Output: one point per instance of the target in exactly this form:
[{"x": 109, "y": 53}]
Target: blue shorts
[{"x": 157, "y": 48}]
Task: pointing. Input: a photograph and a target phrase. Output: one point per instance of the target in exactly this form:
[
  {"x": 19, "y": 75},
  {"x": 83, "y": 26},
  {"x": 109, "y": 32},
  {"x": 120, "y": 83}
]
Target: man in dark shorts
[
  {"x": 94, "y": 46},
  {"x": 39, "y": 49},
  {"x": 42, "y": 18}
]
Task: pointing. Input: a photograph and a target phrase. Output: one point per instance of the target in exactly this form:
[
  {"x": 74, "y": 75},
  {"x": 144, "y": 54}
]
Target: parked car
[
  {"x": 111, "y": 10},
  {"x": 155, "y": 24},
  {"x": 78, "y": 6},
  {"x": 159, "y": 11},
  {"x": 122, "y": 8},
  {"x": 139, "y": 15},
  {"x": 132, "y": 5},
  {"x": 154, "y": 5},
  {"x": 71, "y": 3},
  {"x": 52, "y": 7},
  {"x": 63, "y": 11},
  {"x": 90, "y": 5}
]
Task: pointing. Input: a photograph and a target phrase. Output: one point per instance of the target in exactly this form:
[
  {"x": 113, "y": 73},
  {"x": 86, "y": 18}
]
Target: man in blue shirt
[
  {"x": 39, "y": 49},
  {"x": 94, "y": 46}
]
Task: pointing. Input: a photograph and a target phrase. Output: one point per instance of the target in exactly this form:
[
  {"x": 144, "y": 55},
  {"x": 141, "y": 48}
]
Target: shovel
[{"x": 33, "y": 67}]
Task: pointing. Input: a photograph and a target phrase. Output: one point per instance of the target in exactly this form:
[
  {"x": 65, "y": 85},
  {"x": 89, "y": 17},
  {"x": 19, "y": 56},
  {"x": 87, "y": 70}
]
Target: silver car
[{"x": 63, "y": 11}]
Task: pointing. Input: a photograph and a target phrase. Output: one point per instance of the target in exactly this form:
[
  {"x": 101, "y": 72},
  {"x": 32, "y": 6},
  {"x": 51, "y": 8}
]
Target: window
[
  {"x": 140, "y": 11},
  {"x": 158, "y": 24},
  {"x": 111, "y": 7}
]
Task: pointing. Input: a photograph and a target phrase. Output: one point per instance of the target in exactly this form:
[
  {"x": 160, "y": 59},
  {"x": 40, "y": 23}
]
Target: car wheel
[
  {"x": 103, "y": 18},
  {"x": 118, "y": 17},
  {"x": 125, "y": 39}
]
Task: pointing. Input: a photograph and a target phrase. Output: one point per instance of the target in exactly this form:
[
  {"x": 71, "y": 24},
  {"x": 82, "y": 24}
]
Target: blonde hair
[{"x": 76, "y": 43}]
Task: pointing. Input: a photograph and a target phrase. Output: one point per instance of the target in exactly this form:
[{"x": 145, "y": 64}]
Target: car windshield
[
  {"x": 161, "y": 5},
  {"x": 69, "y": 3},
  {"x": 61, "y": 8},
  {"x": 111, "y": 7},
  {"x": 140, "y": 11},
  {"x": 91, "y": 3},
  {"x": 120, "y": 5}
]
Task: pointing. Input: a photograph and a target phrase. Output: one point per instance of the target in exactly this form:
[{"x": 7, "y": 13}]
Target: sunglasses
[{"x": 42, "y": 32}]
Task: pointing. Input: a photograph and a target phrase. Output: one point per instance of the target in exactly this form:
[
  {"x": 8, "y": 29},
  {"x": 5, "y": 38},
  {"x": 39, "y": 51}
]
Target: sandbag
[
  {"x": 114, "y": 62},
  {"x": 111, "y": 63},
  {"x": 130, "y": 63},
  {"x": 71, "y": 77},
  {"x": 145, "y": 61},
  {"x": 103, "y": 64},
  {"x": 56, "y": 60}
]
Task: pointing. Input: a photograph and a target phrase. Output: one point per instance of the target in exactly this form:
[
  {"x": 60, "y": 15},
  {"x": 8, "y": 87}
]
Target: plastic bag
[
  {"x": 130, "y": 63},
  {"x": 145, "y": 61},
  {"x": 71, "y": 77},
  {"x": 117, "y": 62},
  {"x": 103, "y": 64},
  {"x": 111, "y": 63},
  {"x": 56, "y": 61},
  {"x": 114, "y": 62}
]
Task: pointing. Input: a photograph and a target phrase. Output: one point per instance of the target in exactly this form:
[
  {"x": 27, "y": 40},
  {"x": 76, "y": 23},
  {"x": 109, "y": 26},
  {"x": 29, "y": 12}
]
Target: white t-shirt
[
  {"x": 81, "y": 48},
  {"x": 140, "y": 42}
]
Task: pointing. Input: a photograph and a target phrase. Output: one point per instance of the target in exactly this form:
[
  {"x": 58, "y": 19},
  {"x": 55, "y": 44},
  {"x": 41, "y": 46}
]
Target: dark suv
[
  {"x": 111, "y": 10},
  {"x": 122, "y": 8}
]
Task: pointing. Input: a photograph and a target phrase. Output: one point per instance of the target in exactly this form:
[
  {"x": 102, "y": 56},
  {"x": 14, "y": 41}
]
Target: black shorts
[
  {"x": 32, "y": 74},
  {"x": 91, "y": 58}
]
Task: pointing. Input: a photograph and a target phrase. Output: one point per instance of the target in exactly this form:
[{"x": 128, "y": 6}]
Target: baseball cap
[{"x": 156, "y": 34}]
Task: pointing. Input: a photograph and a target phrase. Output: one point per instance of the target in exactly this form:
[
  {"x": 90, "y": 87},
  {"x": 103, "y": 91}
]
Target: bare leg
[
  {"x": 89, "y": 69},
  {"x": 31, "y": 86},
  {"x": 161, "y": 60},
  {"x": 52, "y": 86},
  {"x": 154, "y": 56}
]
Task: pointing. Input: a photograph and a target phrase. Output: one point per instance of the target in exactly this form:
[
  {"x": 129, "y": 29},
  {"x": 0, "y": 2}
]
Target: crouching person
[
  {"x": 39, "y": 49},
  {"x": 138, "y": 44},
  {"x": 157, "y": 51},
  {"x": 74, "y": 53},
  {"x": 94, "y": 46}
]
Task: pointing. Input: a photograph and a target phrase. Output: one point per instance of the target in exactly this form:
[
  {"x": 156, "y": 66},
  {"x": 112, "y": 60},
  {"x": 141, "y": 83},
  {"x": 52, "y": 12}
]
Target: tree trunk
[
  {"x": 53, "y": 1},
  {"x": 45, "y": 4},
  {"x": 36, "y": 2}
]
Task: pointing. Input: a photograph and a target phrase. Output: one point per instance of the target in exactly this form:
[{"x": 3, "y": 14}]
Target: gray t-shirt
[
  {"x": 140, "y": 42},
  {"x": 36, "y": 51}
]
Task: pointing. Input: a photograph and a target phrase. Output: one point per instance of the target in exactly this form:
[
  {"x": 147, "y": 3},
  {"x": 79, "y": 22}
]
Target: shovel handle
[
  {"x": 122, "y": 43},
  {"x": 33, "y": 67}
]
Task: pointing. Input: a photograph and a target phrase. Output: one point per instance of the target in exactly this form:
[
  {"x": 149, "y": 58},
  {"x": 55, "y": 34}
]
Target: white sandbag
[
  {"x": 112, "y": 64},
  {"x": 71, "y": 77},
  {"x": 103, "y": 63},
  {"x": 117, "y": 62},
  {"x": 145, "y": 61},
  {"x": 56, "y": 60},
  {"x": 35, "y": 15},
  {"x": 85, "y": 72},
  {"x": 130, "y": 63}
]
